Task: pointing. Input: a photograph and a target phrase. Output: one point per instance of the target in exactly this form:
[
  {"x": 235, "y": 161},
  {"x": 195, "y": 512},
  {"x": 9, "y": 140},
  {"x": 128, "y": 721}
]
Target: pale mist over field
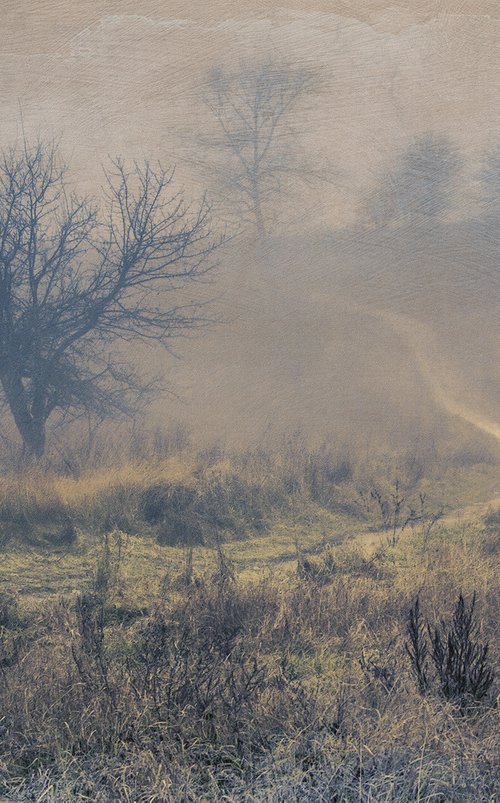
[{"x": 368, "y": 308}]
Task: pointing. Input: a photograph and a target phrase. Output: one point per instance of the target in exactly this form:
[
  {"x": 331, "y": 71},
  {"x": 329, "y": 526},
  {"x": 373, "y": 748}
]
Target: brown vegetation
[{"x": 297, "y": 683}]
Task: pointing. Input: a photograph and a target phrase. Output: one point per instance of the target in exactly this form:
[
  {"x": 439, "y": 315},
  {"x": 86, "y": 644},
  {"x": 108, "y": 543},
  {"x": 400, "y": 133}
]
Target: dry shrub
[
  {"x": 461, "y": 663},
  {"x": 265, "y": 690},
  {"x": 294, "y": 686}
]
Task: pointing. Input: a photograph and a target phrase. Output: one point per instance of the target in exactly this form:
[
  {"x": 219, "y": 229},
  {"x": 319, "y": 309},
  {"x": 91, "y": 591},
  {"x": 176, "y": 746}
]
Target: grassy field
[{"x": 235, "y": 628}]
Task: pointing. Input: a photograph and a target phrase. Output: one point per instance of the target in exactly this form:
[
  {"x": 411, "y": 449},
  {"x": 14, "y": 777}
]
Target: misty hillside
[
  {"x": 307, "y": 341},
  {"x": 311, "y": 343}
]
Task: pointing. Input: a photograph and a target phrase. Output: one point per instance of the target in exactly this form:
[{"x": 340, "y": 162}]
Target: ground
[{"x": 269, "y": 663}]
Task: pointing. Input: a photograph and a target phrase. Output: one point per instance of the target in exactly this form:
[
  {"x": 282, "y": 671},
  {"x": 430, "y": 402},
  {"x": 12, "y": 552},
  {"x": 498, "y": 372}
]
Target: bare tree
[
  {"x": 76, "y": 280},
  {"x": 490, "y": 186},
  {"x": 419, "y": 188},
  {"x": 257, "y": 141}
]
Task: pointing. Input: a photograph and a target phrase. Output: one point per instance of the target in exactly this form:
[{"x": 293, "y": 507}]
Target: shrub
[
  {"x": 65, "y": 535},
  {"x": 191, "y": 515},
  {"x": 157, "y": 501},
  {"x": 108, "y": 565},
  {"x": 416, "y": 647},
  {"x": 460, "y": 660},
  {"x": 43, "y": 520},
  {"x": 492, "y": 520},
  {"x": 179, "y": 530}
]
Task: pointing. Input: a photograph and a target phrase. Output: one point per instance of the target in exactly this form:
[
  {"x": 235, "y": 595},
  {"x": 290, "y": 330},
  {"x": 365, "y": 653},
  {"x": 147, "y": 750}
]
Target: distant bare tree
[
  {"x": 490, "y": 186},
  {"x": 76, "y": 280},
  {"x": 419, "y": 188},
  {"x": 257, "y": 144}
]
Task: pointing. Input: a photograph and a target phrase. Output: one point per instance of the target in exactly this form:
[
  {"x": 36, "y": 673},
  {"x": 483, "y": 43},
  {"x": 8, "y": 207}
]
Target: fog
[
  {"x": 341, "y": 335},
  {"x": 369, "y": 322}
]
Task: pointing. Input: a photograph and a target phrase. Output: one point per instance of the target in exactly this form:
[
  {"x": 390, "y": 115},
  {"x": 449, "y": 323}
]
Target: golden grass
[
  {"x": 337, "y": 707},
  {"x": 289, "y": 683},
  {"x": 39, "y": 487},
  {"x": 37, "y": 570}
]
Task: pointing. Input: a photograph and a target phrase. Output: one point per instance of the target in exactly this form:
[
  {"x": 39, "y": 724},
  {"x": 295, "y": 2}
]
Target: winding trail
[{"x": 422, "y": 343}]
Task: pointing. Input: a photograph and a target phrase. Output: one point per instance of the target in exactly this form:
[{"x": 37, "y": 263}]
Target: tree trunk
[
  {"x": 30, "y": 427},
  {"x": 34, "y": 440},
  {"x": 257, "y": 208}
]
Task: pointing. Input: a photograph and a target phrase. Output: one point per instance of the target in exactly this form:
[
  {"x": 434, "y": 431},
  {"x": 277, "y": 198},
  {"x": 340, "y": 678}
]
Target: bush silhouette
[{"x": 460, "y": 660}]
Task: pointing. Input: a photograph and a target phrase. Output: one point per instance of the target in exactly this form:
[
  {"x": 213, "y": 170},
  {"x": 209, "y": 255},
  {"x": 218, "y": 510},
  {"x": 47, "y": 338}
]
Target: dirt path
[
  {"x": 423, "y": 344},
  {"x": 369, "y": 539}
]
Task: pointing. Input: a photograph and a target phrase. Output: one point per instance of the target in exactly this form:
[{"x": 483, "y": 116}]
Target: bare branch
[
  {"x": 252, "y": 109},
  {"x": 75, "y": 279}
]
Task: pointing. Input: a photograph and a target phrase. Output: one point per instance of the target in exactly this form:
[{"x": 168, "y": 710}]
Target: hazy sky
[{"x": 124, "y": 77}]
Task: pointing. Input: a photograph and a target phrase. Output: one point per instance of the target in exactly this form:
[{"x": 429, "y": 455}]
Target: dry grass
[{"x": 269, "y": 668}]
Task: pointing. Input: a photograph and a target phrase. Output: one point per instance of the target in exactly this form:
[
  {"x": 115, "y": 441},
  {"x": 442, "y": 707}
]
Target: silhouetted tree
[
  {"x": 75, "y": 280},
  {"x": 490, "y": 186},
  {"x": 419, "y": 188},
  {"x": 257, "y": 145}
]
